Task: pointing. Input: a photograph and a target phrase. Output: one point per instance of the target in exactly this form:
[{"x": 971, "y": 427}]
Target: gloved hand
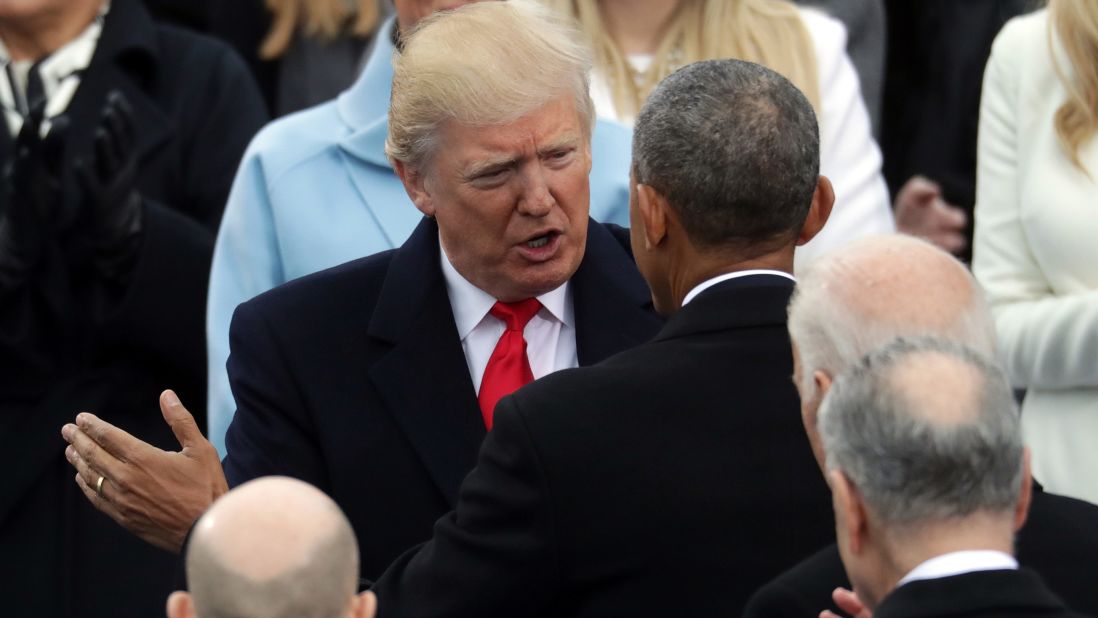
[
  {"x": 109, "y": 181},
  {"x": 30, "y": 192}
]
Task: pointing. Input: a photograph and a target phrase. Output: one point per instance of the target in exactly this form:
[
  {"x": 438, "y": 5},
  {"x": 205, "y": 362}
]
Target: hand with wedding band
[{"x": 154, "y": 494}]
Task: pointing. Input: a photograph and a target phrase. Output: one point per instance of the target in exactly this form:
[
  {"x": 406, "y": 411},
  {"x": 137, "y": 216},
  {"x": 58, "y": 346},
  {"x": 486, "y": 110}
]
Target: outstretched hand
[{"x": 155, "y": 494}]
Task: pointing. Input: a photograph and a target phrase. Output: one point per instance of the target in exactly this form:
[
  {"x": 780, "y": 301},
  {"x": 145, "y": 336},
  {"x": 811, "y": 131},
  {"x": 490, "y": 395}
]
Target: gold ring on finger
[{"x": 99, "y": 486}]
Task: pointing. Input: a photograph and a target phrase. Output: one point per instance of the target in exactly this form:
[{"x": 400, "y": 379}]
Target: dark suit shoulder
[{"x": 804, "y": 590}]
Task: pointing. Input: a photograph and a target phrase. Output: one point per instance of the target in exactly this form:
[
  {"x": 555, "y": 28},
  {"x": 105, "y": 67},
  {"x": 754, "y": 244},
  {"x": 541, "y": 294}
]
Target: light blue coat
[{"x": 315, "y": 190}]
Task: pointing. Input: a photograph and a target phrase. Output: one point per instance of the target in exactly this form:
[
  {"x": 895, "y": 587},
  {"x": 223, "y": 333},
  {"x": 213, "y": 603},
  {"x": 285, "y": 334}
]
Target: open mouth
[{"x": 540, "y": 241}]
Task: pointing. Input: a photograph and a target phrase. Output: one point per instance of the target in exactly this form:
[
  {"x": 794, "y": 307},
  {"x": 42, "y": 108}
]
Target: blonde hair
[
  {"x": 1076, "y": 24},
  {"x": 485, "y": 64},
  {"x": 323, "y": 19},
  {"x": 767, "y": 32}
]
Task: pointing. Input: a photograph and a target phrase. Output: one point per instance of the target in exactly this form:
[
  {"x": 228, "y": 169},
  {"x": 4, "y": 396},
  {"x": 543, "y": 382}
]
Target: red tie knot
[{"x": 516, "y": 315}]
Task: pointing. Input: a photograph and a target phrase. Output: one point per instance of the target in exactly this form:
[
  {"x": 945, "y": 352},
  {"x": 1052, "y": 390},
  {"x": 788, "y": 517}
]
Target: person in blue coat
[{"x": 315, "y": 189}]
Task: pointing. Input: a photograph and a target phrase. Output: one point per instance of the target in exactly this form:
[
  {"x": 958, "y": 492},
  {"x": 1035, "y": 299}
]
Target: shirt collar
[
  {"x": 708, "y": 283},
  {"x": 471, "y": 304},
  {"x": 960, "y": 562}
]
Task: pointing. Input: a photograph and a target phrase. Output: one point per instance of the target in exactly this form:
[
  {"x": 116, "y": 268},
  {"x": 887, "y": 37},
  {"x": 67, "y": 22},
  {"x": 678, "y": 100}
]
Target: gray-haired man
[
  {"x": 854, "y": 300},
  {"x": 929, "y": 480}
]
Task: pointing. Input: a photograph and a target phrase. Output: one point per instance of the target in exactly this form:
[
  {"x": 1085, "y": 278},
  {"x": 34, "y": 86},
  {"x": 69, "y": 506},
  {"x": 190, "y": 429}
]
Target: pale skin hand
[
  {"x": 921, "y": 211},
  {"x": 848, "y": 601},
  {"x": 155, "y": 494}
]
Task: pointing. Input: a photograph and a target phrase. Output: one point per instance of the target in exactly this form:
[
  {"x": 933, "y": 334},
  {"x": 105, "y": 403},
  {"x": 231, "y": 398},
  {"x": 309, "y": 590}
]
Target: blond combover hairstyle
[
  {"x": 1075, "y": 22},
  {"x": 766, "y": 32},
  {"x": 485, "y": 64},
  {"x": 325, "y": 20}
]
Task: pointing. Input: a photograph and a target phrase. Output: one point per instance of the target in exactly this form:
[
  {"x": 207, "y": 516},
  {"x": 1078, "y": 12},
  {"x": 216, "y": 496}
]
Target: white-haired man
[
  {"x": 858, "y": 298},
  {"x": 376, "y": 380},
  {"x": 930, "y": 480},
  {"x": 295, "y": 561}
]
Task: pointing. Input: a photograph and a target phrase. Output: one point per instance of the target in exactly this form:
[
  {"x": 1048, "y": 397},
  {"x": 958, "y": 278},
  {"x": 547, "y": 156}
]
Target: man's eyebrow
[
  {"x": 487, "y": 166},
  {"x": 560, "y": 143}
]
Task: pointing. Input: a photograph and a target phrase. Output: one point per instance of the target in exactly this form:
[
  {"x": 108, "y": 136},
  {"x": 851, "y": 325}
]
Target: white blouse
[{"x": 1036, "y": 254}]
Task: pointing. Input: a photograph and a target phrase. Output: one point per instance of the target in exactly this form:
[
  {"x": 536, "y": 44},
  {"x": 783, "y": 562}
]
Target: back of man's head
[
  {"x": 734, "y": 147},
  {"x": 925, "y": 436},
  {"x": 273, "y": 547},
  {"x": 927, "y": 430},
  {"x": 860, "y": 296}
]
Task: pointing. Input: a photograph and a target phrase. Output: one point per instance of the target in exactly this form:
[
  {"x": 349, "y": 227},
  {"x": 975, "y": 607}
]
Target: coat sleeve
[
  {"x": 271, "y": 432},
  {"x": 227, "y": 120},
  {"x": 496, "y": 553},
  {"x": 849, "y": 156},
  {"x": 1046, "y": 340},
  {"x": 245, "y": 263}
]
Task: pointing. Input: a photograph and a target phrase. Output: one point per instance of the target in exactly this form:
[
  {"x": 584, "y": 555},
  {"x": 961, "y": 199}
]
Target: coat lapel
[
  {"x": 612, "y": 303},
  {"x": 125, "y": 59},
  {"x": 424, "y": 379}
]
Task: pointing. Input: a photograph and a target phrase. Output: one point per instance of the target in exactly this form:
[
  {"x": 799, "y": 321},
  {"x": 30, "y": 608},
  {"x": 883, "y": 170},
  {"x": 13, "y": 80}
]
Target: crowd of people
[{"x": 497, "y": 317}]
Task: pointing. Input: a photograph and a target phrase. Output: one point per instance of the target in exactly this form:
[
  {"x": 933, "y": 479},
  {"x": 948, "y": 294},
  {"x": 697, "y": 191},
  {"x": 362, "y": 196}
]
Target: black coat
[
  {"x": 354, "y": 380},
  {"x": 1059, "y": 541},
  {"x": 669, "y": 480},
  {"x": 68, "y": 345},
  {"x": 982, "y": 594}
]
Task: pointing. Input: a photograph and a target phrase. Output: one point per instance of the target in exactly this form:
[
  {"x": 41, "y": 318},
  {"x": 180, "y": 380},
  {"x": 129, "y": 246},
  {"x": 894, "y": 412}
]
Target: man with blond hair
[
  {"x": 856, "y": 299},
  {"x": 298, "y": 560},
  {"x": 377, "y": 380}
]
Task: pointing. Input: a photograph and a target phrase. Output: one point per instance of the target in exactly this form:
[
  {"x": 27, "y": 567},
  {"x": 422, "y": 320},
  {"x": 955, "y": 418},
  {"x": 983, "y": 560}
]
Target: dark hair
[{"x": 735, "y": 149}]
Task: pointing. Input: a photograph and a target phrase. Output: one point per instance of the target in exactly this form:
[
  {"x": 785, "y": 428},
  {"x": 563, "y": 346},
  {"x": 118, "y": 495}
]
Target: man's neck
[
  {"x": 977, "y": 532},
  {"x": 40, "y": 35},
  {"x": 701, "y": 267}
]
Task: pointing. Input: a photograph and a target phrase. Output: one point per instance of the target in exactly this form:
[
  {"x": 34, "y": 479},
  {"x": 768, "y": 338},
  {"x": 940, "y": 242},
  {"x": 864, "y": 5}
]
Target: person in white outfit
[
  {"x": 637, "y": 44},
  {"x": 1036, "y": 240}
]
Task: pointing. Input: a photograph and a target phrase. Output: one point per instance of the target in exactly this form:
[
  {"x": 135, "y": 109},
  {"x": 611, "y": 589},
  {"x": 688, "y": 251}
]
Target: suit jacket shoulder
[{"x": 990, "y": 594}]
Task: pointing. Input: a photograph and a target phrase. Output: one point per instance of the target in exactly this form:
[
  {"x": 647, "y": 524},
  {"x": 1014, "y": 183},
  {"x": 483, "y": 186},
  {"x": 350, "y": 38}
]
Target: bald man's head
[
  {"x": 273, "y": 547},
  {"x": 862, "y": 295}
]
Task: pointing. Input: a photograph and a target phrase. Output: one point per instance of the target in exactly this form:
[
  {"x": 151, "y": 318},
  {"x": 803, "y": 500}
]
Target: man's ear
[
  {"x": 364, "y": 605},
  {"x": 180, "y": 605},
  {"x": 823, "y": 384},
  {"x": 820, "y": 210},
  {"x": 1021, "y": 510},
  {"x": 850, "y": 511},
  {"x": 653, "y": 210},
  {"x": 413, "y": 179}
]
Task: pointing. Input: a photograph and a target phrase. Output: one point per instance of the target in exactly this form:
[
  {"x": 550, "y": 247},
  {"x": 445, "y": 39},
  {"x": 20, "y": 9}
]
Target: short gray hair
[
  {"x": 485, "y": 64},
  {"x": 858, "y": 297},
  {"x": 735, "y": 149},
  {"x": 911, "y": 466}
]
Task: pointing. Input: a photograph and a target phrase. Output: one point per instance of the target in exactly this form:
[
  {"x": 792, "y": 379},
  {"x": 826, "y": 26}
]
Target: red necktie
[{"x": 508, "y": 369}]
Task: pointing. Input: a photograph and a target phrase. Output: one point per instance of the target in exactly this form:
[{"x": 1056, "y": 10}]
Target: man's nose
[{"x": 536, "y": 199}]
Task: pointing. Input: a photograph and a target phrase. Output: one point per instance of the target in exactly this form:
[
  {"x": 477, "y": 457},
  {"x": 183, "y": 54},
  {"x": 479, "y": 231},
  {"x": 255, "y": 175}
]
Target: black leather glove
[
  {"x": 30, "y": 193},
  {"x": 109, "y": 183}
]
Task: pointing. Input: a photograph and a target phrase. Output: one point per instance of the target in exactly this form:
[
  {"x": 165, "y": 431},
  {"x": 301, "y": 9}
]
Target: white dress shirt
[
  {"x": 60, "y": 73},
  {"x": 550, "y": 335},
  {"x": 708, "y": 283},
  {"x": 959, "y": 563}
]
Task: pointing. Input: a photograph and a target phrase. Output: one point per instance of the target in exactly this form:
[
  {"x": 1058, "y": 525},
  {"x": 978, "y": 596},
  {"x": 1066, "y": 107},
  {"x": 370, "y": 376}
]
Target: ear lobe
[
  {"x": 850, "y": 510},
  {"x": 414, "y": 184},
  {"x": 1021, "y": 510},
  {"x": 652, "y": 208},
  {"x": 818, "y": 213},
  {"x": 823, "y": 384},
  {"x": 364, "y": 605}
]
